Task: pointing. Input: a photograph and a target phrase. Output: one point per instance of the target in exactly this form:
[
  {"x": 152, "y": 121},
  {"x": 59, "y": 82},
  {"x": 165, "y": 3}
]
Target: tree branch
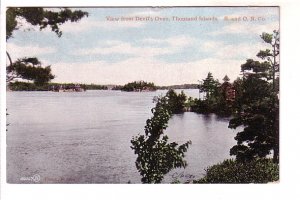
[{"x": 9, "y": 58}]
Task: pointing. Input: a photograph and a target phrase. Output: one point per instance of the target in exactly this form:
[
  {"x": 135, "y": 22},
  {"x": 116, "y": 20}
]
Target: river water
[{"x": 85, "y": 137}]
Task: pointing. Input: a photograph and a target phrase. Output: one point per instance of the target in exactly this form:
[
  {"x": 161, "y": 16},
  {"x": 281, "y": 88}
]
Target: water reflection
[{"x": 208, "y": 118}]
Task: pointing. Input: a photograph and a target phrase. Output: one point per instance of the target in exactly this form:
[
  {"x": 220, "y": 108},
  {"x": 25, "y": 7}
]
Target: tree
[
  {"x": 259, "y": 69},
  {"x": 225, "y": 97},
  {"x": 31, "y": 68},
  {"x": 155, "y": 156},
  {"x": 258, "y": 117},
  {"x": 209, "y": 85},
  {"x": 271, "y": 55},
  {"x": 226, "y": 78},
  {"x": 176, "y": 102},
  {"x": 40, "y": 17},
  {"x": 258, "y": 106},
  {"x": 138, "y": 86}
]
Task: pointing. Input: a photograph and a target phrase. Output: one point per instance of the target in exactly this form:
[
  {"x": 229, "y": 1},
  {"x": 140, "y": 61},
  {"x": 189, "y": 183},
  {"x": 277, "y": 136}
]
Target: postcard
[{"x": 142, "y": 95}]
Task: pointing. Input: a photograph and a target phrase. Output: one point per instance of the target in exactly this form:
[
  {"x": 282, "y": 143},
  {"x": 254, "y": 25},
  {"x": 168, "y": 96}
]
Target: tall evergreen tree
[
  {"x": 209, "y": 86},
  {"x": 258, "y": 106},
  {"x": 226, "y": 78}
]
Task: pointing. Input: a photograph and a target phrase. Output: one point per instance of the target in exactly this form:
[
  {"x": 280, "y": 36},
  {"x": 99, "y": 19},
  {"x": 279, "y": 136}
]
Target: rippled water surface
[{"x": 85, "y": 137}]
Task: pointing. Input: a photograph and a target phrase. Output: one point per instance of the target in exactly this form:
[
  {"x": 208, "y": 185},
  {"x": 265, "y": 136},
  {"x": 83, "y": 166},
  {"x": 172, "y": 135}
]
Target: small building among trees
[{"x": 228, "y": 90}]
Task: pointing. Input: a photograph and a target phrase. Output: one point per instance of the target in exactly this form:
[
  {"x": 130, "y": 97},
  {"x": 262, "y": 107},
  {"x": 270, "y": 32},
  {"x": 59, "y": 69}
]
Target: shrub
[
  {"x": 155, "y": 155},
  {"x": 231, "y": 171}
]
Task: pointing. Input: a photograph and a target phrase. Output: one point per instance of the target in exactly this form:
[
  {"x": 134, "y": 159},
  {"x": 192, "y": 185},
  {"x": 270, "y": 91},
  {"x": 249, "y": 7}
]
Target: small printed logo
[{"x": 35, "y": 178}]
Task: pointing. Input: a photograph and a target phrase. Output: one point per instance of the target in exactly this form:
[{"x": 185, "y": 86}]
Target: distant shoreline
[{"x": 25, "y": 86}]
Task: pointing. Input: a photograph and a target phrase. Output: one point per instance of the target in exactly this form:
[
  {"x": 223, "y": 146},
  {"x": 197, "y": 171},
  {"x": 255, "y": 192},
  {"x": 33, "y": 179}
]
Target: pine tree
[{"x": 259, "y": 106}]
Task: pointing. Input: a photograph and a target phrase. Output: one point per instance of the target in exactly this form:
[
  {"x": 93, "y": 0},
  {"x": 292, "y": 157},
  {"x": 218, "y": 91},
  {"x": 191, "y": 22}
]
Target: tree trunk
[
  {"x": 9, "y": 58},
  {"x": 276, "y": 132},
  {"x": 276, "y": 155}
]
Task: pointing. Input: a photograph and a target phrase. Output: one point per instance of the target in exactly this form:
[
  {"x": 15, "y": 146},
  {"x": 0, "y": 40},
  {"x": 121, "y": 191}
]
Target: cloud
[
  {"x": 167, "y": 46},
  {"x": 246, "y": 28},
  {"x": 174, "y": 41},
  {"x": 123, "y": 48},
  {"x": 153, "y": 41},
  {"x": 180, "y": 41},
  {"x": 210, "y": 46},
  {"x": 221, "y": 50},
  {"x": 148, "y": 69},
  {"x": 17, "y": 51}
]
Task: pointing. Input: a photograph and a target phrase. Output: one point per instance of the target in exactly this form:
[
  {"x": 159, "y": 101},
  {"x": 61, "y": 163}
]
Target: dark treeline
[
  {"x": 138, "y": 86},
  {"x": 129, "y": 87},
  {"x": 24, "y": 86},
  {"x": 142, "y": 85},
  {"x": 183, "y": 86}
]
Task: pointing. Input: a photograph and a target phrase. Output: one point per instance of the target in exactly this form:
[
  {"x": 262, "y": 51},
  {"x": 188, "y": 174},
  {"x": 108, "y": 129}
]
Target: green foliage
[
  {"x": 183, "y": 86},
  {"x": 29, "y": 69},
  {"x": 40, "y": 17},
  {"x": 257, "y": 104},
  {"x": 216, "y": 97},
  {"x": 260, "y": 120},
  {"x": 238, "y": 84},
  {"x": 11, "y": 22},
  {"x": 93, "y": 87},
  {"x": 155, "y": 156},
  {"x": 209, "y": 86},
  {"x": 231, "y": 171},
  {"x": 138, "y": 86},
  {"x": 176, "y": 102},
  {"x": 23, "y": 86},
  {"x": 253, "y": 89},
  {"x": 259, "y": 68},
  {"x": 200, "y": 106},
  {"x": 226, "y": 78},
  {"x": 117, "y": 87}
]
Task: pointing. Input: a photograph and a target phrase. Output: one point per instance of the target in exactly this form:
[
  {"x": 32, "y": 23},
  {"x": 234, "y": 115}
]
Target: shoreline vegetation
[
  {"x": 27, "y": 86},
  {"x": 136, "y": 86}
]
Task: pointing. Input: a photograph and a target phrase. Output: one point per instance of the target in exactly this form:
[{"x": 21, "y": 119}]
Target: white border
[{"x": 290, "y": 115}]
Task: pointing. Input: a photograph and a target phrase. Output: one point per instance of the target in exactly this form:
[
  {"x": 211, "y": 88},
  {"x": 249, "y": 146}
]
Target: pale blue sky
[{"x": 95, "y": 50}]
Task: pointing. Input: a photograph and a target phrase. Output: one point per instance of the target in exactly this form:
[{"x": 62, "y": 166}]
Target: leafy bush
[
  {"x": 231, "y": 171},
  {"x": 155, "y": 155}
]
